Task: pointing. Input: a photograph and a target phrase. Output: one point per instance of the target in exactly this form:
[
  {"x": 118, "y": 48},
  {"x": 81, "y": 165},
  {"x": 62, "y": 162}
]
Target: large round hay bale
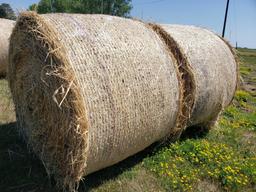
[
  {"x": 90, "y": 90},
  {"x": 213, "y": 64},
  {"x": 6, "y": 27}
]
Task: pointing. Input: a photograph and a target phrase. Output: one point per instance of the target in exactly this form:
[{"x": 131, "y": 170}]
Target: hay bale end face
[
  {"x": 213, "y": 63},
  {"x": 6, "y": 27},
  {"x": 90, "y": 90}
]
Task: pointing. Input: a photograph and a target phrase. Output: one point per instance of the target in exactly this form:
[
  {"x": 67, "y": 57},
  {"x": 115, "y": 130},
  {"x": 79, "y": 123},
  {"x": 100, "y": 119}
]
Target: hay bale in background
[
  {"x": 90, "y": 90},
  {"x": 6, "y": 27},
  {"x": 214, "y": 67}
]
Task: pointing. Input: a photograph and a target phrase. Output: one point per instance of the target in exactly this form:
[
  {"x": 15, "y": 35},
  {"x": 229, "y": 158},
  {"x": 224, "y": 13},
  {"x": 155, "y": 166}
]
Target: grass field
[{"x": 222, "y": 160}]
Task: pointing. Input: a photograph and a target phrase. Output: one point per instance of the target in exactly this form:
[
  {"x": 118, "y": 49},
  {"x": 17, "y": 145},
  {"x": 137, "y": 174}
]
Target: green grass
[
  {"x": 222, "y": 160},
  {"x": 6, "y": 105},
  {"x": 226, "y": 156},
  {"x": 248, "y": 69},
  {"x": 183, "y": 165}
]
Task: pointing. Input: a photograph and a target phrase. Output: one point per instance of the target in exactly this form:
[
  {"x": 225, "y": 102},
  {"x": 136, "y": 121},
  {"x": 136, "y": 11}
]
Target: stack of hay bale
[{"x": 92, "y": 90}]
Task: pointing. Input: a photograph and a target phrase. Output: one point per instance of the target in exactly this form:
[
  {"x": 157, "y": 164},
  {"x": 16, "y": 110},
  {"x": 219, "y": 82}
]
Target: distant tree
[
  {"x": 33, "y": 7},
  {"x": 6, "y": 11},
  {"x": 110, "y": 7}
]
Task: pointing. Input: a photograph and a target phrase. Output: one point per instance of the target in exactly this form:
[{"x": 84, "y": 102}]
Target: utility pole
[{"x": 225, "y": 19}]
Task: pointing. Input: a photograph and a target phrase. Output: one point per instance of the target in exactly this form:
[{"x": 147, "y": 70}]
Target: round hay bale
[
  {"x": 6, "y": 27},
  {"x": 90, "y": 90},
  {"x": 213, "y": 63}
]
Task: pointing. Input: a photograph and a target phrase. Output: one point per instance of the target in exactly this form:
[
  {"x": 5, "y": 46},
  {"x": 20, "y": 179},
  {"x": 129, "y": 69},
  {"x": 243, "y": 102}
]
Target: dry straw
[
  {"x": 90, "y": 90},
  {"x": 185, "y": 77},
  {"x": 6, "y": 27},
  {"x": 213, "y": 63}
]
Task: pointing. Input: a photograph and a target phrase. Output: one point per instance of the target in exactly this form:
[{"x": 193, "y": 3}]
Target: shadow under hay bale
[
  {"x": 20, "y": 170},
  {"x": 98, "y": 178},
  {"x": 195, "y": 132}
]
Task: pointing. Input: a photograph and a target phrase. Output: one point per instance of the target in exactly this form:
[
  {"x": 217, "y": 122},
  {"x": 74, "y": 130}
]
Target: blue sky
[{"x": 241, "y": 24}]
